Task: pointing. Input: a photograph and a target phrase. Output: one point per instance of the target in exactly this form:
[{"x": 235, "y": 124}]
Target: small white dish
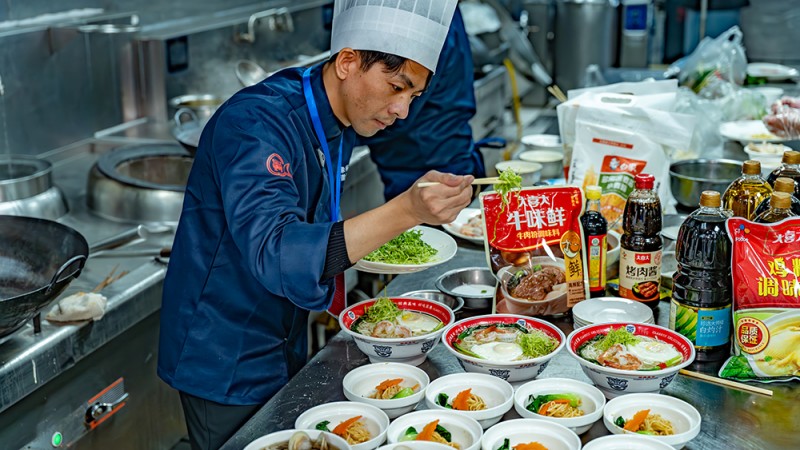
[
  {"x": 465, "y": 431},
  {"x": 495, "y": 392},
  {"x": 747, "y": 131},
  {"x": 445, "y": 245},
  {"x": 772, "y": 72},
  {"x": 374, "y": 419},
  {"x": 552, "y": 161},
  {"x": 520, "y": 431},
  {"x": 625, "y": 442},
  {"x": 768, "y": 154},
  {"x": 684, "y": 417},
  {"x": 534, "y": 141},
  {"x": 360, "y": 382},
  {"x": 416, "y": 445},
  {"x": 281, "y": 436},
  {"x": 592, "y": 401},
  {"x": 463, "y": 217},
  {"x": 611, "y": 309}
]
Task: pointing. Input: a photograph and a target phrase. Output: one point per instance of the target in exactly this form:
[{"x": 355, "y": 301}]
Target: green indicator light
[{"x": 57, "y": 439}]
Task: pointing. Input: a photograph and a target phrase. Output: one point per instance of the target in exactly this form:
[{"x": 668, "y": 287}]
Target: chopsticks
[
  {"x": 110, "y": 279},
  {"x": 557, "y": 93},
  {"x": 492, "y": 180},
  {"x": 726, "y": 383}
]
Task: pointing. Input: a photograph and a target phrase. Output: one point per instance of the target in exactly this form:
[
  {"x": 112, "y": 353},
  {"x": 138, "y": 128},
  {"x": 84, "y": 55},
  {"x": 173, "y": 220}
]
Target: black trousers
[{"x": 211, "y": 424}]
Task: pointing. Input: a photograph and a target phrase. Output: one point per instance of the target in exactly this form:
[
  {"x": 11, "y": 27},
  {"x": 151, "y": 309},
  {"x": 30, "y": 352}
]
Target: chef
[{"x": 260, "y": 239}]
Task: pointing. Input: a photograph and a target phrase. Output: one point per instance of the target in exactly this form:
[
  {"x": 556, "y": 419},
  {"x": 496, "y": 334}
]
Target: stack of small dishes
[{"x": 610, "y": 309}]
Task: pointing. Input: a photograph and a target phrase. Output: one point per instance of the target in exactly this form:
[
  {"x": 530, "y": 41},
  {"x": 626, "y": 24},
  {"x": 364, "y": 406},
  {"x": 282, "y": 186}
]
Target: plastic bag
[
  {"x": 721, "y": 58},
  {"x": 784, "y": 120}
]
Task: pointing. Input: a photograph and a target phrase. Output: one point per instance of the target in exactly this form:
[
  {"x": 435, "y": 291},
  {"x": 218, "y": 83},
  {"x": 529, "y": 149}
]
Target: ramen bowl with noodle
[
  {"x": 405, "y": 334},
  {"x": 507, "y": 346},
  {"x": 360, "y": 385},
  {"x": 625, "y": 442},
  {"x": 464, "y": 432},
  {"x": 366, "y": 433},
  {"x": 632, "y": 367},
  {"x": 682, "y": 417},
  {"x": 522, "y": 431},
  {"x": 488, "y": 398},
  {"x": 295, "y": 440},
  {"x": 590, "y": 405},
  {"x": 536, "y": 289}
]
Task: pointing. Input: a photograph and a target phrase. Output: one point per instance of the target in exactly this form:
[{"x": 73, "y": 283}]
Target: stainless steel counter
[{"x": 731, "y": 419}]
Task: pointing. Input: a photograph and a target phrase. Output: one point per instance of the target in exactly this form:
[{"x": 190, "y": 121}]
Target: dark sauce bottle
[
  {"x": 780, "y": 205},
  {"x": 702, "y": 291},
  {"x": 595, "y": 230},
  {"x": 789, "y": 168},
  {"x": 641, "y": 244},
  {"x": 782, "y": 184}
]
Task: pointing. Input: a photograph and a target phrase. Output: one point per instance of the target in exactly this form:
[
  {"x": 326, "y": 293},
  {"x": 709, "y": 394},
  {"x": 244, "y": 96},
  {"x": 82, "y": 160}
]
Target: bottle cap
[
  {"x": 710, "y": 199},
  {"x": 644, "y": 181},
  {"x": 791, "y": 157},
  {"x": 594, "y": 192},
  {"x": 751, "y": 167},
  {"x": 784, "y": 184},
  {"x": 780, "y": 200}
]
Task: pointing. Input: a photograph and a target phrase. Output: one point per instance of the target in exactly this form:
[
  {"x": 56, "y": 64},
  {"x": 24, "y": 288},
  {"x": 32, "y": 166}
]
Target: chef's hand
[
  {"x": 784, "y": 103},
  {"x": 785, "y": 118},
  {"x": 439, "y": 204}
]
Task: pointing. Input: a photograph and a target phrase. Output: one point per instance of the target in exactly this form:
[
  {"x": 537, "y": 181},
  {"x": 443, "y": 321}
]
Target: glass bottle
[
  {"x": 789, "y": 168},
  {"x": 595, "y": 230},
  {"x": 746, "y": 192},
  {"x": 782, "y": 184},
  {"x": 641, "y": 245},
  {"x": 702, "y": 288},
  {"x": 780, "y": 205}
]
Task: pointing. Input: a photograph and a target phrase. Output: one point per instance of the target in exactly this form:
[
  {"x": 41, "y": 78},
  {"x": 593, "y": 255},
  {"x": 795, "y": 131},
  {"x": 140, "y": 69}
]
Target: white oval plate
[
  {"x": 773, "y": 72},
  {"x": 541, "y": 141},
  {"x": 463, "y": 217},
  {"x": 747, "y": 131},
  {"x": 444, "y": 244}
]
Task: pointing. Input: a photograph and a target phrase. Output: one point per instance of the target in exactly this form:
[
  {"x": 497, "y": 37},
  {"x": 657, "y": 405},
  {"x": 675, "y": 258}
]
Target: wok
[
  {"x": 188, "y": 132},
  {"x": 38, "y": 259}
]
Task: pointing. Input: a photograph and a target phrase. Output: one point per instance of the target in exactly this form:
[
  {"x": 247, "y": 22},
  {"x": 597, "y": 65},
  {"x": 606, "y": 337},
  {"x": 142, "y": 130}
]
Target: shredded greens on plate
[
  {"x": 536, "y": 343},
  {"x": 408, "y": 248},
  {"x": 383, "y": 309}
]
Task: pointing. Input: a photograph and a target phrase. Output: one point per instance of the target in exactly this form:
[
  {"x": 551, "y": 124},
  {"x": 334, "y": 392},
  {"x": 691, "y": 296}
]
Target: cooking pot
[
  {"x": 38, "y": 259},
  {"x": 187, "y": 129},
  {"x": 26, "y": 188},
  {"x": 202, "y": 105}
]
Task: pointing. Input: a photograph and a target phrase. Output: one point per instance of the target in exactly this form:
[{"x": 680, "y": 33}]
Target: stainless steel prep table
[{"x": 731, "y": 419}]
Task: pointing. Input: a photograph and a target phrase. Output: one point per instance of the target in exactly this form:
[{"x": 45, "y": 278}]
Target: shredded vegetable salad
[
  {"x": 509, "y": 181},
  {"x": 407, "y": 248}
]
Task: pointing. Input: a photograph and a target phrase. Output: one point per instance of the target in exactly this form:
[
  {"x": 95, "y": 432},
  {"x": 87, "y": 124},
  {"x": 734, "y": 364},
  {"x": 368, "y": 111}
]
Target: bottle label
[
  {"x": 597, "y": 262},
  {"x": 705, "y": 327},
  {"x": 640, "y": 275}
]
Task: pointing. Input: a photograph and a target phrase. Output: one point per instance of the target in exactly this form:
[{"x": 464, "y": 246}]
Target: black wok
[{"x": 38, "y": 259}]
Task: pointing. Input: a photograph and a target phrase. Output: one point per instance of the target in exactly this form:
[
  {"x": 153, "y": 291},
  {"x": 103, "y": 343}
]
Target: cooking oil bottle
[
  {"x": 640, "y": 245},
  {"x": 789, "y": 168},
  {"x": 780, "y": 207},
  {"x": 782, "y": 184},
  {"x": 746, "y": 192},
  {"x": 595, "y": 230},
  {"x": 702, "y": 291}
]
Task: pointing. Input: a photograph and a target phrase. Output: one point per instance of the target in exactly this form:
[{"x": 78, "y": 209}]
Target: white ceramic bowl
[
  {"x": 541, "y": 141},
  {"x": 625, "y": 442},
  {"x": 768, "y": 154},
  {"x": 684, "y": 417},
  {"x": 615, "y": 382},
  {"x": 373, "y": 418},
  {"x": 519, "y": 431},
  {"x": 529, "y": 171},
  {"x": 465, "y": 431},
  {"x": 416, "y": 445},
  {"x": 552, "y": 161},
  {"x": 498, "y": 395},
  {"x": 510, "y": 371},
  {"x": 592, "y": 401},
  {"x": 281, "y": 436},
  {"x": 411, "y": 350},
  {"x": 360, "y": 382}
]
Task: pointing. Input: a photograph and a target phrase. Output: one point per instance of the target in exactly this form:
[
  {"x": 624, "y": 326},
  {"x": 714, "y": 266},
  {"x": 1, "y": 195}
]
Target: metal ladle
[
  {"x": 107, "y": 247},
  {"x": 249, "y": 73}
]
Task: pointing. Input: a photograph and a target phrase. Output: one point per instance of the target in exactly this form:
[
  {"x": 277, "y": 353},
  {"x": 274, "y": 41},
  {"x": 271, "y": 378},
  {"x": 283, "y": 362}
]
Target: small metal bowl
[
  {"x": 451, "y": 301},
  {"x": 691, "y": 177},
  {"x": 469, "y": 284}
]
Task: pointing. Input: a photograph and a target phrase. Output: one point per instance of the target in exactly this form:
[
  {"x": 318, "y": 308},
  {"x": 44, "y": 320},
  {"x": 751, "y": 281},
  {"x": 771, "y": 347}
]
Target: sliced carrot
[
  {"x": 636, "y": 421},
  {"x": 460, "y": 402},
  {"x": 414, "y": 387},
  {"x": 427, "y": 433},
  {"x": 530, "y": 446},
  {"x": 543, "y": 409},
  {"x": 341, "y": 429},
  {"x": 386, "y": 384}
]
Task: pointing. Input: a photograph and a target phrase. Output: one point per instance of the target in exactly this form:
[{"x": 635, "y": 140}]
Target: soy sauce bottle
[
  {"x": 595, "y": 230},
  {"x": 782, "y": 184},
  {"x": 640, "y": 245},
  {"x": 790, "y": 168},
  {"x": 780, "y": 205},
  {"x": 702, "y": 292}
]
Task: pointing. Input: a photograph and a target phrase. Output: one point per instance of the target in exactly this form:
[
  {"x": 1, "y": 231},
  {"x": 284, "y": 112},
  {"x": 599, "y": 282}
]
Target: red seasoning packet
[{"x": 534, "y": 245}]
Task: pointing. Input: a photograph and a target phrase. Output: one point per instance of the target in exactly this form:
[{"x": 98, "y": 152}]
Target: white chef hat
[{"x": 412, "y": 29}]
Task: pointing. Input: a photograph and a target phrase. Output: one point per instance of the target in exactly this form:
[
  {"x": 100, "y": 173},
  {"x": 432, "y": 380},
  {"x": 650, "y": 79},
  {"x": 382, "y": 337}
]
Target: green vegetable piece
[
  {"x": 409, "y": 435},
  {"x": 536, "y": 343},
  {"x": 536, "y": 402},
  {"x": 407, "y": 248},
  {"x": 617, "y": 336},
  {"x": 767, "y": 358},
  {"x": 383, "y": 309},
  {"x": 737, "y": 368},
  {"x": 674, "y": 361},
  {"x": 323, "y": 426},
  {"x": 647, "y": 432},
  {"x": 620, "y": 422},
  {"x": 405, "y": 392},
  {"x": 508, "y": 180},
  {"x": 443, "y": 433},
  {"x": 506, "y": 445},
  {"x": 441, "y": 399}
]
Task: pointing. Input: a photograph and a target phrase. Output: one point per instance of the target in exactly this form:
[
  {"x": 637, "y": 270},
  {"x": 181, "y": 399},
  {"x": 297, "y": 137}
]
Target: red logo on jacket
[{"x": 277, "y": 167}]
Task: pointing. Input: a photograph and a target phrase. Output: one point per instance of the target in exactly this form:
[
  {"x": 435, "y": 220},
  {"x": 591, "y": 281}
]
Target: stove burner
[{"x": 26, "y": 189}]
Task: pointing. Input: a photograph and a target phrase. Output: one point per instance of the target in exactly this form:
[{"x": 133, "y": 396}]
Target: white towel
[{"x": 78, "y": 306}]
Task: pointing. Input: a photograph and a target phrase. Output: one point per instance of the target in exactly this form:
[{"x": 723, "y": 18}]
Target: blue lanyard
[{"x": 334, "y": 174}]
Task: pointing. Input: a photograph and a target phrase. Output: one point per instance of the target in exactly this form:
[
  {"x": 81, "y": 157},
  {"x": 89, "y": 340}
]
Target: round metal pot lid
[
  {"x": 149, "y": 166},
  {"x": 22, "y": 177}
]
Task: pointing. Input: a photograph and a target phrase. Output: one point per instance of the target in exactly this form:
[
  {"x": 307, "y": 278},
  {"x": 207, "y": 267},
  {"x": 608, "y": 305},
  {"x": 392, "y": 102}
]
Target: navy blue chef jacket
[
  {"x": 250, "y": 248},
  {"x": 436, "y": 135}
]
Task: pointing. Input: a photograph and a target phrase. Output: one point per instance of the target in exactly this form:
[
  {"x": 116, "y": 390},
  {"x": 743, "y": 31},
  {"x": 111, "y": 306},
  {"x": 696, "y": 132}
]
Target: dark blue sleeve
[{"x": 263, "y": 210}]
